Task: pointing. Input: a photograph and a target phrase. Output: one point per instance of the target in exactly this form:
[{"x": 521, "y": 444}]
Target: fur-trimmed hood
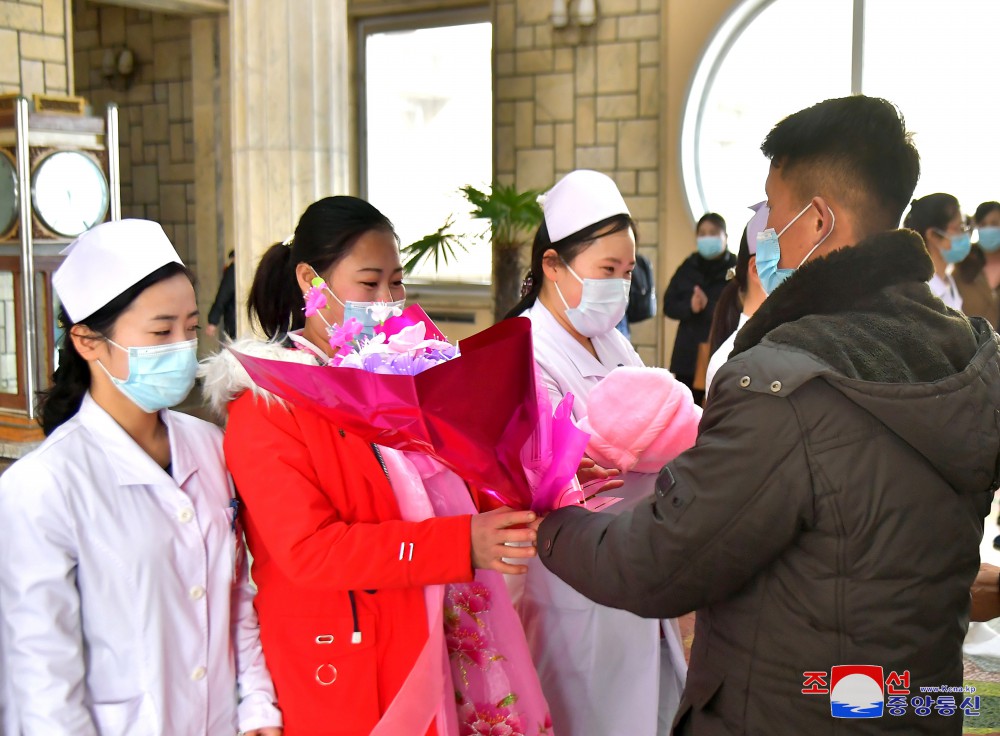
[{"x": 223, "y": 378}]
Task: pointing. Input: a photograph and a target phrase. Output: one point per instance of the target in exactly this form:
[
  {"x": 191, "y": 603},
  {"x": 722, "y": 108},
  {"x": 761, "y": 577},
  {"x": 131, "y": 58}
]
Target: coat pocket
[
  {"x": 326, "y": 680},
  {"x": 700, "y": 691},
  {"x": 133, "y": 717}
]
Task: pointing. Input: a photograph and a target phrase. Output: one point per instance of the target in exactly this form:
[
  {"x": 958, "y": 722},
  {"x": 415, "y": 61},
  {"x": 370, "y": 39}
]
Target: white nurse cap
[
  {"x": 580, "y": 199},
  {"x": 108, "y": 259}
]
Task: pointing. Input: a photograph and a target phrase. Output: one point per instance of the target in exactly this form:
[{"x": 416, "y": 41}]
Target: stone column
[{"x": 290, "y": 115}]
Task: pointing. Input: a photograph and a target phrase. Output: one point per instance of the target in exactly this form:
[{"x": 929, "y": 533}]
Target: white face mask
[{"x": 602, "y": 305}]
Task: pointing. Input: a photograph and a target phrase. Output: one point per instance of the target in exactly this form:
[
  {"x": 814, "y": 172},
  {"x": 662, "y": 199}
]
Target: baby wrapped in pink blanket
[{"x": 640, "y": 419}]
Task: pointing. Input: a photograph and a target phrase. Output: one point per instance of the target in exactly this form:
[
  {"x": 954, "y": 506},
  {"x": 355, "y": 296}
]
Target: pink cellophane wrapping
[{"x": 475, "y": 414}]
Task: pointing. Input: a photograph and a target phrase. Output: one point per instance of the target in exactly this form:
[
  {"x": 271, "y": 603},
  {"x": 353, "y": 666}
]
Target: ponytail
[
  {"x": 70, "y": 382},
  {"x": 728, "y": 309},
  {"x": 61, "y": 401},
  {"x": 274, "y": 294},
  {"x": 726, "y": 317}
]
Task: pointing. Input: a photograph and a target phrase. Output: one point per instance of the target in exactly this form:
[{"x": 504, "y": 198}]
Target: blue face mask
[
  {"x": 710, "y": 246},
  {"x": 159, "y": 376},
  {"x": 961, "y": 244},
  {"x": 362, "y": 313},
  {"x": 769, "y": 254},
  {"x": 989, "y": 239}
]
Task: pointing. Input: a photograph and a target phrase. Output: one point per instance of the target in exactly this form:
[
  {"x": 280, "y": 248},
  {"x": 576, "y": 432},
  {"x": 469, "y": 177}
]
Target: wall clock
[{"x": 69, "y": 192}]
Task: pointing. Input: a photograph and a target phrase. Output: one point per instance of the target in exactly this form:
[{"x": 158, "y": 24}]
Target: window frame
[{"x": 711, "y": 60}]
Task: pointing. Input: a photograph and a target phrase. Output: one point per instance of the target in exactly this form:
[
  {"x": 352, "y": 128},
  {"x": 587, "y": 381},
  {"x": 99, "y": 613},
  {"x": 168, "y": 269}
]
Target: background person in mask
[
  {"x": 742, "y": 297},
  {"x": 851, "y": 431},
  {"x": 978, "y": 276},
  {"x": 692, "y": 294},
  {"x": 604, "y": 671},
  {"x": 345, "y": 611},
  {"x": 938, "y": 219},
  {"x": 123, "y": 584}
]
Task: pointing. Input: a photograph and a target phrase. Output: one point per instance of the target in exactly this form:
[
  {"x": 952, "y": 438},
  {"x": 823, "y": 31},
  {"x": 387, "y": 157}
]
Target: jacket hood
[
  {"x": 224, "y": 378},
  {"x": 864, "y": 320}
]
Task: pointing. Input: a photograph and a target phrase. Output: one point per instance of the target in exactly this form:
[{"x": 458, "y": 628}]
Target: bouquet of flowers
[{"x": 475, "y": 407}]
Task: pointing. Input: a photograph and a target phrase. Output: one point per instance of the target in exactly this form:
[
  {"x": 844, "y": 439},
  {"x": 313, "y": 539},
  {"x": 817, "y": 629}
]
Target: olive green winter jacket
[{"x": 831, "y": 511}]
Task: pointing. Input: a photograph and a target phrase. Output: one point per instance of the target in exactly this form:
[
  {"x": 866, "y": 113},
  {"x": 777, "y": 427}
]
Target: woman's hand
[
  {"x": 263, "y": 732},
  {"x": 590, "y": 475},
  {"x": 493, "y": 530}
]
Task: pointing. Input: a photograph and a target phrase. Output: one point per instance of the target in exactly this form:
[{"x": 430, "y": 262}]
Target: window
[
  {"x": 427, "y": 128},
  {"x": 770, "y": 58}
]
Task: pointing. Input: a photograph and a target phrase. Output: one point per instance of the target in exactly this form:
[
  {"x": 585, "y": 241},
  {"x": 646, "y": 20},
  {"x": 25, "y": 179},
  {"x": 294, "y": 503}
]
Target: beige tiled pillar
[{"x": 290, "y": 117}]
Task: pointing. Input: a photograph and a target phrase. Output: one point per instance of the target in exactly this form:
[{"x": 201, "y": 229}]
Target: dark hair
[
  {"x": 714, "y": 218},
  {"x": 934, "y": 211},
  {"x": 726, "y": 317},
  {"x": 231, "y": 254},
  {"x": 854, "y": 148},
  {"x": 983, "y": 210},
  {"x": 568, "y": 248},
  {"x": 71, "y": 380},
  {"x": 326, "y": 232}
]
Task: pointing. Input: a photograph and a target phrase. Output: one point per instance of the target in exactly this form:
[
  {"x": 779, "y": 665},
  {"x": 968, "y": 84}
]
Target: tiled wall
[
  {"x": 156, "y": 111},
  {"x": 583, "y": 97},
  {"x": 33, "y": 47}
]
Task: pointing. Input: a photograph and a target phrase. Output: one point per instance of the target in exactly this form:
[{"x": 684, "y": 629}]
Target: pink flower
[
  {"x": 468, "y": 644},
  {"x": 473, "y": 598},
  {"x": 343, "y": 337},
  {"x": 485, "y": 719},
  {"x": 315, "y": 300},
  {"x": 411, "y": 339}
]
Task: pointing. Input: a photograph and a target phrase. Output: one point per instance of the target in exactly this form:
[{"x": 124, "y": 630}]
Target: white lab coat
[
  {"x": 605, "y": 672},
  {"x": 122, "y": 614},
  {"x": 946, "y": 290},
  {"x": 721, "y": 355}
]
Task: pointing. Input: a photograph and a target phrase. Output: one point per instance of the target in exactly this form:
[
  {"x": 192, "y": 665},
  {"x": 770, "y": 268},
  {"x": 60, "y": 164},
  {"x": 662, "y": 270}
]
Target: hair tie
[
  {"x": 527, "y": 285},
  {"x": 289, "y": 241},
  {"x": 731, "y": 273}
]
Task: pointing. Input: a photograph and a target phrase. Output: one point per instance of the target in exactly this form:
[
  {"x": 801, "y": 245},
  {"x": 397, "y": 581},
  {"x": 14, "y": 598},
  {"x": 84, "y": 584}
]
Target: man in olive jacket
[{"x": 832, "y": 509}]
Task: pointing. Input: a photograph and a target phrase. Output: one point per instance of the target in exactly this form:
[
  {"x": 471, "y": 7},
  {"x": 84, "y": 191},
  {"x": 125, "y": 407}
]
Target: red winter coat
[{"x": 321, "y": 520}]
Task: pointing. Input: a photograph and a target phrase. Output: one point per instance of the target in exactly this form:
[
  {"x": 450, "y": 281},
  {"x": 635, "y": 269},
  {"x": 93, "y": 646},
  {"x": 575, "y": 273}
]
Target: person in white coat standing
[
  {"x": 124, "y": 593},
  {"x": 605, "y": 672}
]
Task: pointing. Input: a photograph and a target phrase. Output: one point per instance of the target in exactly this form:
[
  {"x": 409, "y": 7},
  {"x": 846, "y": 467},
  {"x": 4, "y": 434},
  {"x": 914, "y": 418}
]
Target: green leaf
[
  {"x": 441, "y": 246},
  {"x": 508, "y": 701}
]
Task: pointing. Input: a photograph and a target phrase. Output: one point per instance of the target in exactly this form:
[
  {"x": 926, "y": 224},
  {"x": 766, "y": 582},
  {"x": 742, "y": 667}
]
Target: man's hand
[
  {"x": 986, "y": 594},
  {"x": 698, "y": 300}
]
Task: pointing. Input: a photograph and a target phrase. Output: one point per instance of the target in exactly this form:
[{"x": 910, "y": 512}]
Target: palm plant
[{"x": 512, "y": 215}]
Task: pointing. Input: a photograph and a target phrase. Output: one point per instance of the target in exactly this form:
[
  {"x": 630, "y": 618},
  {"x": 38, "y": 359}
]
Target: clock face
[
  {"x": 69, "y": 192},
  {"x": 9, "y": 202}
]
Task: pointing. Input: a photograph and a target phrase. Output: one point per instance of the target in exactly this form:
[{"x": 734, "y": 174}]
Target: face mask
[
  {"x": 989, "y": 239},
  {"x": 961, "y": 244},
  {"x": 361, "y": 311},
  {"x": 710, "y": 246},
  {"x": 602, "y": 305},
  {"x": 159, "y": 376},
  {"x": 769, "y": 254}
]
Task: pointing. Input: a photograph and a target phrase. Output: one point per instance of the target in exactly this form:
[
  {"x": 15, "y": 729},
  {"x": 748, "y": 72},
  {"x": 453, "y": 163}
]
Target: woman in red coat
[{"x": 341, "y": 575}]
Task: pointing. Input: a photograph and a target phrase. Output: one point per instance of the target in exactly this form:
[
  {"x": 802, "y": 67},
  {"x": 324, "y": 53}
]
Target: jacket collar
[
  {"x": 131, "y": 464},
  {"x": 841, "y": 281}
]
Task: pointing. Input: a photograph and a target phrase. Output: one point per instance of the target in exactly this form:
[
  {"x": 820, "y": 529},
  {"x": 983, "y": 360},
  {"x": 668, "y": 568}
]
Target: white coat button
[
  {"x": 185, "y": 515},
  {"x": 745, "y": 381},
  {"x": 776, "y": 386},
  {"x": 197, "y": 593},
  {"x": 198, "y": 674}
]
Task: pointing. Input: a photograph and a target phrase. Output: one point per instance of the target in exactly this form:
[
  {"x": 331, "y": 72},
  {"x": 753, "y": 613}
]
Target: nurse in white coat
[
  {"x": 123, "y": 582},
  {"x": 605, "y": 672}
]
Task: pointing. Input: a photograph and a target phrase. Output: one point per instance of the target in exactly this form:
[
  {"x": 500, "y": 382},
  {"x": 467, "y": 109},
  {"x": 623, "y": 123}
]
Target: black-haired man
[{"x": 831, "y": 511}]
